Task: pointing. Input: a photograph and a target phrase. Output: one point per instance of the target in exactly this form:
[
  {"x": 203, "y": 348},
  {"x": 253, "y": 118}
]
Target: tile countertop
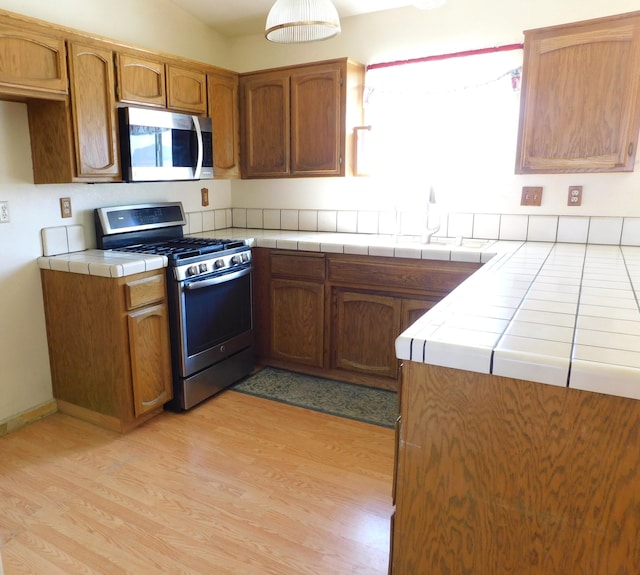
[
  {"x": 470, "y": 250},
  {"x": 560, "y": 314},
  {"x": 102, "y": 263},
  {"x": 117, "y": 264}
]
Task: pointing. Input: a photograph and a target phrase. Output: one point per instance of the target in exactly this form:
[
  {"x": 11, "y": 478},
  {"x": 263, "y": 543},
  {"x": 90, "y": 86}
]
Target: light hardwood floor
[{"x": 240, "y": 485}]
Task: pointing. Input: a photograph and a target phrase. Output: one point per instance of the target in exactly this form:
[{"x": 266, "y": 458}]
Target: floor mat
[{"x": 367, "y": 404}]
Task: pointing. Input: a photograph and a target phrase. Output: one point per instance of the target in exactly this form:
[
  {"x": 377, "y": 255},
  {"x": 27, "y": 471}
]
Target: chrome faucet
[{"x": 432, "y": 217}]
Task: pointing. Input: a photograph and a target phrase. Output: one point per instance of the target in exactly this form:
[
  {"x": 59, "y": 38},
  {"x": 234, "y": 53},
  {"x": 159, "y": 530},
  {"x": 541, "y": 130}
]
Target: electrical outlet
[
  {"x": 205, "y": 196},
  {"x": 575, "y": 196},
  {"x": 4, "y": 212},
  {"x": 531, "y": 196},
  {"x": 65, "y": 207}
]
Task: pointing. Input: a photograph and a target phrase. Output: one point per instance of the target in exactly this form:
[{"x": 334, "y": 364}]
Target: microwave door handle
[{"x": 198, "y": 169}]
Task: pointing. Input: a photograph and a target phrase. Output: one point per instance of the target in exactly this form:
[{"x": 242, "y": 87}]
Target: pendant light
[{"x": 295, "y": 21}]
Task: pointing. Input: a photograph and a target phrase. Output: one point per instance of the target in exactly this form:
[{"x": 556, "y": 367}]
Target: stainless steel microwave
[{"x": 158, "y": 145}]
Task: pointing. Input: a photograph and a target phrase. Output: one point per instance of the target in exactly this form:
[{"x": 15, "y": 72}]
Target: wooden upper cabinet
[
  {"x": 297, "y": 121},
  {"x": 141, "y": 81},
  {"x": 580, "y": 97},
  {"x": 265, "y": 124},
  {"x": 31, "y": 64},
  {"x": 94, "y": 112},
  {"x": 224, "y": 113},
  {"x": 317, "y": 124},
  {"x": 186, "y": 90}
]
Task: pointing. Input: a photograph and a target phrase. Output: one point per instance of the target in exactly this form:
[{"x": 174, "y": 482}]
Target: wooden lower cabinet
[
  {"x": 363, "y": 332},
  {"x": 297, "y": 319},
  {"x": 499, "y": 476},
  {"x": 338, "y": 316},
  {"x": 108, "y": 346}
]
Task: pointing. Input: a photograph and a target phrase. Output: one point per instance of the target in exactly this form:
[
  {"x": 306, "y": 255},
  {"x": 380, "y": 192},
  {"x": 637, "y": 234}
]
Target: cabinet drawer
[
  {"x": 144, "y": 291},
  {"x": 303, "y": 266},
  {"x": 426, "y": 276}
]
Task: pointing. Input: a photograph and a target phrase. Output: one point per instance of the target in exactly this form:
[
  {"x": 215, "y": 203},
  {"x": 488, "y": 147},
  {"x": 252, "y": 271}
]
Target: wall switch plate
[
  {"x": 205, "y": 196},
  {"x": 65, "y": 207},
  {"x": 4, "y": 212},
  {"x": 575, "y": 196},
  {"x": 531, "y": 196}
]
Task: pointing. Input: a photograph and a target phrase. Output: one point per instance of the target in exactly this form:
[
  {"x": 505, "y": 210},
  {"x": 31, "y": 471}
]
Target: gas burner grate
[{"x": 183, "y": 248}]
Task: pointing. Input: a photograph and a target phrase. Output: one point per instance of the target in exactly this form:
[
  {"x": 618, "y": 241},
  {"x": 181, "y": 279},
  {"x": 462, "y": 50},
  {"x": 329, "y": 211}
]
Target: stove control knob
[
  {"x": 235, "y": 260},
  {"x": 192, "y": 271},
  {"x": 204, "y": 268},
  {"x": 218, "y": 264},
  {"x": 245, "y": 257}
]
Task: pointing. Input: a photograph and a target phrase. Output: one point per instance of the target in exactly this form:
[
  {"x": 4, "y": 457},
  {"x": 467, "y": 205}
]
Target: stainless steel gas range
[{"x": 209, "y": 294}]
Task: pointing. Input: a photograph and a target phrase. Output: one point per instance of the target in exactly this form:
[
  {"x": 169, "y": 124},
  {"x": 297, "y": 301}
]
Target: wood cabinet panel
[
  {"x": 266, "y": 125},
  {"x": 337, "y": 315},
  {"x": 520, "y": 476},
  {"x": 224, "y": 113},
  {"x": 297, "y": 121},
  {"x": 294, "y": 265},
  {"x": 31, "y": 63},
  {"x": 108, "y": 365},
  {"x": 145, "y": 291},
  {"x": 429, "y": 276},
  {"x": 141, "y": 81},
  {"x": 94, "y": 112},
  {"x": 363, "y": 332},
  {"x": 150, "y": 360},
  {"x": 317, "y": 125},
  {"x": 297, "y": 321},
  {"x": 413, "y": 310},
  {"x": 594, "y": 66},
  {"x": 186, "y": 90}
]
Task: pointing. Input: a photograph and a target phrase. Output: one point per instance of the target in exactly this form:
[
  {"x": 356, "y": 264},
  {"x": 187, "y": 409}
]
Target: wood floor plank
[{"x": 238, "y": 486}]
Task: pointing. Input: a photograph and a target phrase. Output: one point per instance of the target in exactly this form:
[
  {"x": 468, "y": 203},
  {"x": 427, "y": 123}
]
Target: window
[{"x": 445, "y": 122}]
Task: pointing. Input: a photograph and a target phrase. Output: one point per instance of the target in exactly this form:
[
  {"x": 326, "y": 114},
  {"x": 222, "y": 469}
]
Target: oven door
[{"x": 214, "y": 319}]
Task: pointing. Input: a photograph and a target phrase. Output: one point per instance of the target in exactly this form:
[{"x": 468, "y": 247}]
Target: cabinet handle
[{"x": 630, "y": 149}]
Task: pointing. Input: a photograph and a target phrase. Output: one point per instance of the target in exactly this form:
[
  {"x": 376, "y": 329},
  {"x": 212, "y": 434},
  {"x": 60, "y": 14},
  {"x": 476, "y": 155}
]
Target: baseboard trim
[{"x": 23, "y": 419}]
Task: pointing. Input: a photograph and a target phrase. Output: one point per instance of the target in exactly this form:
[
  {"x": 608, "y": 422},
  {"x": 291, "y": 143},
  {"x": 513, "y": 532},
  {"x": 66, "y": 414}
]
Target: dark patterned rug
[{"x": 367, "y": 404}]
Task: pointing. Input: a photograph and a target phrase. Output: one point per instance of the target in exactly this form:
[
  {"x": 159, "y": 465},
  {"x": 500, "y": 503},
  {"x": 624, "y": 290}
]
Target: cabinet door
[
  {"x": 579, "y": 106},
  {"x": 141, "y": 81},
  {"x": 297, "y": 321},
  {"x": 94, "y": 112},
  {"x": 413, "y": 310},
  {"x": 317, "y": 129},
  {"x": 31, "y": 63},
  {"x": 266, "y": 125},
  {"x": 186, "y": 90},
  {"x": 223, "y": 109},
  {"x": 150, "y": 358},
  {"x": 363, "y": 333}
]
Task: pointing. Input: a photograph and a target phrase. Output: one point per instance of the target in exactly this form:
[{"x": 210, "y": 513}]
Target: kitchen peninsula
[{"x": 519, "y": 436}]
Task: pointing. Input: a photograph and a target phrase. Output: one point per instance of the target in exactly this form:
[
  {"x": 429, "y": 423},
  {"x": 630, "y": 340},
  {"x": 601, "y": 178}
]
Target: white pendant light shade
[{"x": 294, "y": 21}]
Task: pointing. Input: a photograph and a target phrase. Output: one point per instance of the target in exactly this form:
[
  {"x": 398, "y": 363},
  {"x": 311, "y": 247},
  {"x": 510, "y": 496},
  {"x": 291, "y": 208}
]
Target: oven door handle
[{"x": 199, "y": 284}]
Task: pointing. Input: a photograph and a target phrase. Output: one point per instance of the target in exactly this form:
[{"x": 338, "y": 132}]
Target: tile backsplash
[
  {"x": 545, "y": 228},
  {"x": 565, "y": 229}
]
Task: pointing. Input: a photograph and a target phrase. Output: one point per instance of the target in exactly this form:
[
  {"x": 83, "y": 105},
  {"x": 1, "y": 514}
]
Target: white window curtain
[{"x": 444, "y": 123}]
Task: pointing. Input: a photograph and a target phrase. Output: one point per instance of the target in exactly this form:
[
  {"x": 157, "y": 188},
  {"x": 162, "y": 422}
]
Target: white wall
[
  {"x": 409, "y": 32},
  {"x": 25, "y": 380}
]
